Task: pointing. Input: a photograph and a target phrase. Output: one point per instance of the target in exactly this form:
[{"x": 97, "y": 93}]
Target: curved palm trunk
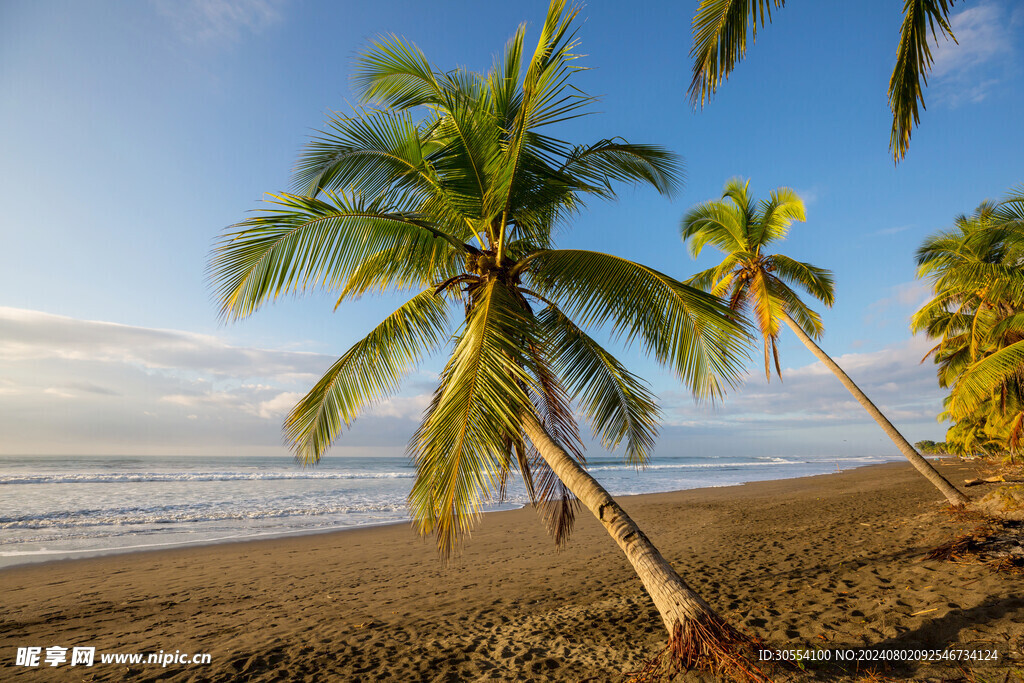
[
  {"x": 698, "y": 637},
  {"x": 951, "y": 493}
]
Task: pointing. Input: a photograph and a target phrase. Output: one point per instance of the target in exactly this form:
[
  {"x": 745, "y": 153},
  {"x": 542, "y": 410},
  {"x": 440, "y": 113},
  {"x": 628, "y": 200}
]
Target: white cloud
[
  {"x": 901, "y": 302},
  {"x": 891, "y": 231},
  {"x": 210, "y": 21},
  {"x": 894, "y": 378},
  {"x": 278, "y": 406},
  {"x": 33, "y": 335},
  {"x": 970, "y": 68},
  {"x": 809, "y": 195},
  {"x": 405, "y": 407},
  {"x": 75, "y": 386},
  {"x": 81, "y": 386}
]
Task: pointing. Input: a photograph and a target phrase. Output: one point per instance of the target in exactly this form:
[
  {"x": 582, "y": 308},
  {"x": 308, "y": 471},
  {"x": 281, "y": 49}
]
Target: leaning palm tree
[
  {"x": 720, "y": 29},
  {"x": 451, "y": 189},
  {"x": 761, "y": 282}
]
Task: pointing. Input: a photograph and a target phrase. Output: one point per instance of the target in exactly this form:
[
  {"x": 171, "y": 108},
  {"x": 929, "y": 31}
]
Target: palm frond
[
  {"x": 766, "y": 306},
  {"x": 402, "y": 268},
  {"x": 607, "y": 160},
  {"x": 1011, "y": 208},
  {"x": 983, "y": 377},
  {"x": 776, "y": 214},
  {"x": 312, "y": 243},
  {"x": 618, "y": 404},
  {"x": 504, "y": 79},
  {"x": 555, "y": 503},
  {"x": 368, "y": 153},
  {"x": 720, "y": 29},
  {"x": 714, "y": 223},
  {"x": 913, "y": 60},
  {"x": 459, "y": 446},
  {"x": 368, "y": 372},
  {"x": 395, "y": 74},
  {"x": 808, "y": 320},
  {"x": 817, "y": 282},
  {"x": 684, "y": 328},
  {"x": 547, "y": 98}
]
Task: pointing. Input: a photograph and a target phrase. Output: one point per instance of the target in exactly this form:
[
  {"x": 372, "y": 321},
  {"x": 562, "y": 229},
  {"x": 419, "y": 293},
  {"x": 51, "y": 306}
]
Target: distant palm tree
[
  {"x": 720, "y": 29},
  {"x": 977, "y": 314},
  {"x": 758, "y": 281},
  {"x": 462, "y": 206}
]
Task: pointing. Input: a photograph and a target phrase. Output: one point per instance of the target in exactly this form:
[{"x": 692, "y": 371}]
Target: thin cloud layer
[
  {"x": 971, "y": 68},
  {"x": 78, "y": 386},
  {"x": 81, "y": 386},
  {"x": 219, "y": 21},
  {"x": 901, "y": 302},
  {"x": 812, "y": 397}
]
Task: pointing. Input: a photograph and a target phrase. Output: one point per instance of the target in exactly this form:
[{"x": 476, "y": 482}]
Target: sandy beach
[{"x": 832, "y": 561}]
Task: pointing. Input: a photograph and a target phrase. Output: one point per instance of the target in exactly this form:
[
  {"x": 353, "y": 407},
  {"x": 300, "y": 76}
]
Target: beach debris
[
  {"x": 998, "y": 544},
  {"x": 984, "y": 480}
]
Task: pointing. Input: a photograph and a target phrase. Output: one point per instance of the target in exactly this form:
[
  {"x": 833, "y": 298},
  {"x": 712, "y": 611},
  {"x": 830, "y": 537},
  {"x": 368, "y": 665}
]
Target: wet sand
[{"x": 832, "y": 561}]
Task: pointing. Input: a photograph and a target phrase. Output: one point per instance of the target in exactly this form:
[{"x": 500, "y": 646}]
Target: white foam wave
[
  {"x": 193, "y": 514},
  {"x": 170, "y": 515},
  {"x": 139, "y": 477},
  {"x": 700, "y": 465}
]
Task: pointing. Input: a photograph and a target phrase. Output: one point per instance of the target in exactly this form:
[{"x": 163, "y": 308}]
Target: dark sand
[{"x": 830, "y": 561}]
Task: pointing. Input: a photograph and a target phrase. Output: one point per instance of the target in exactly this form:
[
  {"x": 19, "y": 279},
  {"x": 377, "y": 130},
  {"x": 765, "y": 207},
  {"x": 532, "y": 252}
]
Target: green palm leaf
[
  {"x": 984, "y": 377},
  {"x": 714, "y": 223},
  {"x": 817, "y": 282},
  {"x": 459, "y": 447},
  {"x": 368, "y": 372},
  {"x": 616, "y": 160},
  {"x": 720, "y": 29},
  {"x": 618, "y": 403},
  {"x": 720, "y": 32},
  {"x": 913, "y": 59},
  {"x": 684, "y": 328},
  {"x": 397, "y": 75},
  {"x": 312, "y": 243},
  {"x": 776, "y": 214},
  {"x": 402, "y": 268}
]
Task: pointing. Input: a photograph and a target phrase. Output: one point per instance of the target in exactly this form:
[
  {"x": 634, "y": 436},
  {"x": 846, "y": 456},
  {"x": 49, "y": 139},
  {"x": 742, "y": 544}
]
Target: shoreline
[
  {"x": 59, "y": 556},
  {"x": 831, "y": 561}
]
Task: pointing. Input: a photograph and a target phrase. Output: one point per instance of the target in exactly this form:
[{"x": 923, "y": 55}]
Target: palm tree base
[{"x": 707, "y": 643}]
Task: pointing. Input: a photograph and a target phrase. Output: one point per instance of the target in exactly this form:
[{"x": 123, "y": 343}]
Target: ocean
[{"x": 63, "y": 507}]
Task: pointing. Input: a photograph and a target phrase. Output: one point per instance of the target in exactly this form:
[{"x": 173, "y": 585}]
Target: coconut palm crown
[
  {"x": 754, "y": 280},
  {"x": 446, "y": 186}
]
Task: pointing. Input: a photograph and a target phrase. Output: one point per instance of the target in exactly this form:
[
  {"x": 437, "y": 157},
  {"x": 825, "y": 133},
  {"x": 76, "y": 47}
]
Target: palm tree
[
  {"x": 977, "y": 314},
  {"x": 720, "y": 29},
  {"x": 460, "y": 205},
  {"x": 761, "y": 282}
]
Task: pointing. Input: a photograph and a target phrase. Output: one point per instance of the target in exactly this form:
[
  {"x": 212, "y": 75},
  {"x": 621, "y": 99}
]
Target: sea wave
[
  {"x": 184, "y": 514},
  {"x": 141, "y": 477},
  {"x": 164, "y": 477},
  {"x": 700, "y": 465},
  {"x": 193, "y": 513}
]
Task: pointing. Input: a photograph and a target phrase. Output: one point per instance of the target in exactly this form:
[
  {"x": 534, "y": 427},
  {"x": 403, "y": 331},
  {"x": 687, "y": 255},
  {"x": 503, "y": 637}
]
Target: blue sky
[{"x": 135, "y": 132}]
